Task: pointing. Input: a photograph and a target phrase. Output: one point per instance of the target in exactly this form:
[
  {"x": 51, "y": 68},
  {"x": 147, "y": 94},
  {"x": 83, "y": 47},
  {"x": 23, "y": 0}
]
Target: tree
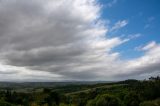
[
  {"x": 132, "y": 99},
  {"x": 53, "y": 99}
]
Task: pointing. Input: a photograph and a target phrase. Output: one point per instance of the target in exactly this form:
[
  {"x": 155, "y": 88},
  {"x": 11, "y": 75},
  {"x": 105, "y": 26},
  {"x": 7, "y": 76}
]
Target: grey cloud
[
  {"x": 47, "y": 55},
  {"x": 9, "y": 72},
  {"x": 147, "y": 69},
  {"x": 137, "y": 72},
  {"x": 36, "y": 36}
]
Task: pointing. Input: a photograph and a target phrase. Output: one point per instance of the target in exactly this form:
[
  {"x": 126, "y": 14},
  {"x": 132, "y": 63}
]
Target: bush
[
  {"x": 132, "y": 99},
  {"x": 3, "y": 103},
  {"x": 105, "y": 100},
  {"x": 151, "y": 103}
]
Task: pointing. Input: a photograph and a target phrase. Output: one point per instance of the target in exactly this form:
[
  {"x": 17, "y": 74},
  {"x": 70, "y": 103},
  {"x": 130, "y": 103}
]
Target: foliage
[
  {"x": 132, "y": 99},
  {"x": 105, "y": 100},
  {"x": 124, "y": 93},
  {"x": 3, "y": 103},
  {"x": 151, "y": 103}
]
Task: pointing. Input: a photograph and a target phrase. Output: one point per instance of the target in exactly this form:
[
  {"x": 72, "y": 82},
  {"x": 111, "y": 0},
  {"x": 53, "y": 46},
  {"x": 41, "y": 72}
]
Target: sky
[{"x": 79, "y": 40}]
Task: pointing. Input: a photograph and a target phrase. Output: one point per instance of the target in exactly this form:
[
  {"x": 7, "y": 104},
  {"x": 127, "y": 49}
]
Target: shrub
[{"x": 105, "y": 100}]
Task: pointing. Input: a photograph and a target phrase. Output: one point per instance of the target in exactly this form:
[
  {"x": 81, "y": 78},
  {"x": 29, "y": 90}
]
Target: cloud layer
[{"x": 64, "y": 40}]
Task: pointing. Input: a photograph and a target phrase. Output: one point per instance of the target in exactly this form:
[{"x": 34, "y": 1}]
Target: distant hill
[{"x": 46, "y": 84}]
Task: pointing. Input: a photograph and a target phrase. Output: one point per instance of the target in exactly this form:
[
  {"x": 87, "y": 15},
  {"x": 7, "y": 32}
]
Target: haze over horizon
[{"x": 80, "y": 40}]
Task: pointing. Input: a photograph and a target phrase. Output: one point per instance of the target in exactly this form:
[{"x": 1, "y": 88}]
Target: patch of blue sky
[{"x": 143, "y": 18}]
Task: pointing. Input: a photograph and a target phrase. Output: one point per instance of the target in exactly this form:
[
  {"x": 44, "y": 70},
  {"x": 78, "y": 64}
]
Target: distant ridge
[{"x": 47, "y": 84}]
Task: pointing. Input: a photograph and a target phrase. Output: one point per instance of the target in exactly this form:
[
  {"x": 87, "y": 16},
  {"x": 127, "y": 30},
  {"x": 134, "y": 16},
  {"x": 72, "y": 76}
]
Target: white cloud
[
  {"x": 147, "y": 47},
  {"x": 146, "y": 64},
  {"x": 119, "y": 24},
  {"x": 62, "y": 40},
  {"x": 150, "y": 46},
  {"x": 134, "y": 36}
]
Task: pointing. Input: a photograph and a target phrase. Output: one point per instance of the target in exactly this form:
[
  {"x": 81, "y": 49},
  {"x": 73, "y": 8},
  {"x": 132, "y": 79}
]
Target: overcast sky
[{"x": 57, "y": 40}]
